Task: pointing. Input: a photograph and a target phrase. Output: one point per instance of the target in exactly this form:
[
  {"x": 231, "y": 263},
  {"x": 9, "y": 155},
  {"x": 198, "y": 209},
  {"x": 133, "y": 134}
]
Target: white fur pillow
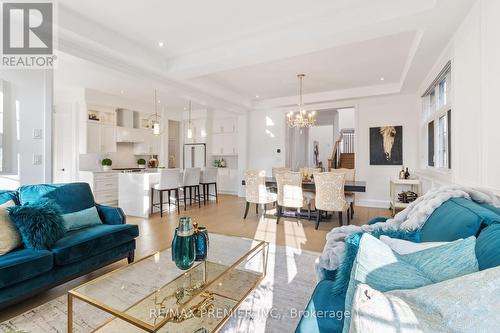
[
  {"x": 404, "y": 247},
  {"x": 9, "y": 235}
]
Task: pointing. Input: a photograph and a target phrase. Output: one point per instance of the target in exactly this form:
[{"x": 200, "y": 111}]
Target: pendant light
[
  {"x": 190, "y": 129},
  {"x": 155, "y": 122}
]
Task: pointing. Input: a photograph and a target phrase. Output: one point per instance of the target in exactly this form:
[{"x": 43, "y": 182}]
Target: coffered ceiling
[{"x": 239, "y": 55}]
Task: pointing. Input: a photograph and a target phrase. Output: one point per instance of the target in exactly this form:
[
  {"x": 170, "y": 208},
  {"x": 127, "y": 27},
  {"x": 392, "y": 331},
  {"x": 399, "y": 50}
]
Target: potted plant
[
  {"x": 106, "y": 164},
  {"x": 141, "y": 163}
]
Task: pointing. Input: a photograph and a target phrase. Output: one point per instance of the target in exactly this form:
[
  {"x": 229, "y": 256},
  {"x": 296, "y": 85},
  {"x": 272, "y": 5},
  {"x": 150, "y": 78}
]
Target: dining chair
[
  {"x": 290, "y": 193},
  {"x": 209, "y": 177},
  {"x": 349, "y": 176},
  {"x": 309, "y": 194},
  {"x": 191, "y": 181},
  {"x": 330, "y": 195},
  {"x": 256, "y": 191},
  {"x": 169, "y": 181},
  {"x": 277, "y": 170}
]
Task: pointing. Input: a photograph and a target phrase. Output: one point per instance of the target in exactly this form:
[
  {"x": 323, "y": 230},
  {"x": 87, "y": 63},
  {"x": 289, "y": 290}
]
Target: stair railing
[{"x": 345, "y": 144}]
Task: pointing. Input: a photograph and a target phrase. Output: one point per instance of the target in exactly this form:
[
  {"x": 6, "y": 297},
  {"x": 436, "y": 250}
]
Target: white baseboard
[
  {"x": 228, "y": 192},
  {"x": 373, "y": 203}
]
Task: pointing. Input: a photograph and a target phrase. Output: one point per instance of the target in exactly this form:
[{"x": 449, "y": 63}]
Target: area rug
[{"x": 273, "y": 307}]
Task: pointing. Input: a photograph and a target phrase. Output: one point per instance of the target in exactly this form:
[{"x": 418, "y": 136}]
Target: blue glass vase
[
  {"x": 184, "y": 244},
  {"x": 201, "y": 240}
]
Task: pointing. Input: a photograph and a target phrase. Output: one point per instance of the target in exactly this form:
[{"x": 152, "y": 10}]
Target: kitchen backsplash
[{"x": 123, "y": 158}]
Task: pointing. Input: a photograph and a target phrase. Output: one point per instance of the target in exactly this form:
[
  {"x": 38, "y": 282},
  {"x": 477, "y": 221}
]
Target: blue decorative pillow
[
  {"x": 488, "y": 247},
  {"x": 82, "y": 219},
  {"x": 383, "y": 269},
  {"x": 40, "y": 224}
]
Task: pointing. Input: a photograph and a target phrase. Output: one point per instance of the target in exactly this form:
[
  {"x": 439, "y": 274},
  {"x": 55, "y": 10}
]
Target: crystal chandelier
[{"x": 301, "y": 118}]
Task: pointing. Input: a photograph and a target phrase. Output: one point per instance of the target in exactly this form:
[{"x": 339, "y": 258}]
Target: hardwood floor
[{"x": 225, "y": 217}]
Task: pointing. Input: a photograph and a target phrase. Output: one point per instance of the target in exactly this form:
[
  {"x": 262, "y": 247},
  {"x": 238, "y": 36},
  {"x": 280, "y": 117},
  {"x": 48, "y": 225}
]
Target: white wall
[
  {"x": 266, "y": 134},
  {"x": 346, "y": 118},
  {"x": 27, "y": 106},
  {"x": 475, "y": 52},
  {"x": 383, "y": 111}
]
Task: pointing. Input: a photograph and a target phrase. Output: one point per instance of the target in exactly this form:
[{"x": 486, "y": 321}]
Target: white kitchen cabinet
[
  {"x": 150, "y": 146},
  {"x": 224, "y": 125},
  {"x": 99, "y": 138},
  {"x": 93, "y": 142},
  {"x": 224, "y": 144},
  {"x": 227, "y": 180},
  {"x": 155, "y": 145},
  {"x": 108, "y": 139},
  {"x": 104, "y": 186}
]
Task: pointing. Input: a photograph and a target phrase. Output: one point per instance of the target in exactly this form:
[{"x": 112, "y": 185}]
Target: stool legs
[
  {"x": 161, "y": 203},
  {"x": 151, "y": 207},
  {"x": 177, "y": 200}
]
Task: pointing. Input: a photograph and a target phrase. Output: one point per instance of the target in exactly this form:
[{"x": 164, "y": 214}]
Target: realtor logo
[{"x": 27, "y": 34}]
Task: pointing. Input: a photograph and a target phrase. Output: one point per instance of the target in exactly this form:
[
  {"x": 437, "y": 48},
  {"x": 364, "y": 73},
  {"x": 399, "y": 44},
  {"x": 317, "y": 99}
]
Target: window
[
  {"x": 1, "y": 127},
  {"x": 436, "y": 115}
]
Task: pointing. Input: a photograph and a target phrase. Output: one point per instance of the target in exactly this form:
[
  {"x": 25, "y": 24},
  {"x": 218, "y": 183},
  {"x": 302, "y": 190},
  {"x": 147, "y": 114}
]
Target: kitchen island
[{"x": 134, "y": 192}]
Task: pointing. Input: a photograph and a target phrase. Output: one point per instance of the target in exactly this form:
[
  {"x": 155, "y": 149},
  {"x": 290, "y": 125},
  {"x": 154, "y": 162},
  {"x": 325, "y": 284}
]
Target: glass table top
[{"x": 154, "y": 295}]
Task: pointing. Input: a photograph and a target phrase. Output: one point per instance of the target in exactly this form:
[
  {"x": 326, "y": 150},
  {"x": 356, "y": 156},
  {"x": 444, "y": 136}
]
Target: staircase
[
  {"x": 346, "y": 160},
  {"x": 343, "y": 151}
]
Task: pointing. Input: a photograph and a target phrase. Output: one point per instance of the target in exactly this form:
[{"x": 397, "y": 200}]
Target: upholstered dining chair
[
  {"x": 209, "y": 177},
  {"x": 191, "y": 182},
  {"x": 309, "y": 195},
  {"x": 256, "y": 191},
  {"x": 277, "y": 170},
  {"x": 350, "y": 175},
  {"x": 290, "y": 193},
  {"x": 169, "y": 182},
  {"x": 330, "y": 195}
]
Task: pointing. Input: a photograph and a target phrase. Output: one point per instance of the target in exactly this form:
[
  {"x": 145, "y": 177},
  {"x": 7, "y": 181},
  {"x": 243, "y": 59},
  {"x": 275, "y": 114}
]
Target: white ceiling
[
  {"x": 223, "y": 53},
  {"x": 73, "y": 72},
  {"x": 344, "y": 67}
]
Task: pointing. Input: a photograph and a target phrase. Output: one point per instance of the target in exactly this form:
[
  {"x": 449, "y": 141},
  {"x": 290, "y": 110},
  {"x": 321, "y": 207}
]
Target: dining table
[{"x": 349, "y": 185}]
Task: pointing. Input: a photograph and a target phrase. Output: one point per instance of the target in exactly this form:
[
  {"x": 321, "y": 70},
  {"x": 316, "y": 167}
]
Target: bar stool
[
  {"x": 209, "y": 177},
  {"x": 191, "y": 181},
  {"x": 169, "y": 181}
]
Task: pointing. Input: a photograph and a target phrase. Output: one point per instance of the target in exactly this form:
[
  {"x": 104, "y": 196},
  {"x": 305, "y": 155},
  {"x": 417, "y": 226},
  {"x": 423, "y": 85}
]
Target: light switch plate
[
  {"x": 37, "y": 159},
  {"x": 37, "y": 133}
]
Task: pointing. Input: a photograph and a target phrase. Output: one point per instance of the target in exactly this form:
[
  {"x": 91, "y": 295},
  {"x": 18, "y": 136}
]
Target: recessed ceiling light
[
  {"x": 185, "y": 108},
  {"x": 159, "y": 101},
  {"x": 160, "y": 44},
  {"x": 382, "y": 78},
  {"x": 257, "y": 96},
  {"x": 121, "y": 92}
]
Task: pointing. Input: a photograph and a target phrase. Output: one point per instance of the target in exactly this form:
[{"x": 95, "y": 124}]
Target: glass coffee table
[{"x": 153, "y": 295}]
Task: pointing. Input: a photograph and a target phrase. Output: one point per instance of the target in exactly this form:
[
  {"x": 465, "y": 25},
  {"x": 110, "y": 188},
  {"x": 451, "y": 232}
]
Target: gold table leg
[{"x": 70, "y": 313}]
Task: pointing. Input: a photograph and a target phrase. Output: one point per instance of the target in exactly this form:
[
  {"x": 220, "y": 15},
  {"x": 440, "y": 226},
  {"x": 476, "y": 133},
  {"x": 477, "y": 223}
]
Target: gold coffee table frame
[{"x": 261, "y": 246}]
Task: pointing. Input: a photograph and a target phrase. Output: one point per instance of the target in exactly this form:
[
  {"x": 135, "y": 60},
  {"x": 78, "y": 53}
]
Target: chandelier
[{"x": 301, "y": 118}]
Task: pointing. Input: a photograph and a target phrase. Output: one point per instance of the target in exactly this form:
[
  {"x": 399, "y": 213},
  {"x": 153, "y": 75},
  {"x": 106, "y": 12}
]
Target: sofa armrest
[
  {"x": 111, "y": 215},
  {"x": 378, "y": 219}
]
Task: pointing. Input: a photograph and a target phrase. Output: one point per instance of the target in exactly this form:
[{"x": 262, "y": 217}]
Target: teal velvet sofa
[
  {"x": 456, "y": 218},
  {"x": 26, "y": 272}
]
